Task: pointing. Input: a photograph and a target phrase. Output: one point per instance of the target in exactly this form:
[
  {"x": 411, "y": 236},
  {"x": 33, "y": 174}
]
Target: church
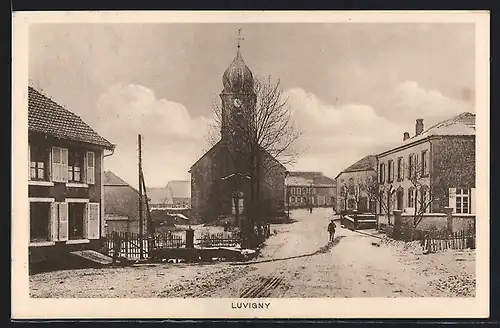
[{"x": 220, "y": 181}]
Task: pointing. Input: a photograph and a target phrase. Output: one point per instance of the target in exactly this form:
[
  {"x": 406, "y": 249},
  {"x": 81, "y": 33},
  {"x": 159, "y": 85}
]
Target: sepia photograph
[{"x": 248, "y": 160}]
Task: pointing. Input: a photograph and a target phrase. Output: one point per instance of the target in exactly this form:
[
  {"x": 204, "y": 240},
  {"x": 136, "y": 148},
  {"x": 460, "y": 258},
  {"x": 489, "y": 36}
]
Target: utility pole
[{"x": 141, "y": 218}]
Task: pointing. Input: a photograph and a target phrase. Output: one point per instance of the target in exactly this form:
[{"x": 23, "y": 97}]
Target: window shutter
[
  {"x": 63, "y": 221},
  {"x": 90, "y": 167},
  {"x": 64, "y": 165},
  {"x": 93, "y": 221},
  {"x": 29, "y": 162},
  {"x": 56, "y": 164},
  {"x": 54, "y": 236},
  {"x": 472, "y": 201},
  {"x": 452, "y": 195}
]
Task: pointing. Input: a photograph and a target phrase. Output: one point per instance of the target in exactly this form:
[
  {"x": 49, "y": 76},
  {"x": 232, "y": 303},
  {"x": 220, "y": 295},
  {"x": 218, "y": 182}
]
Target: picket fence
[{"x": 435, "y": 241}]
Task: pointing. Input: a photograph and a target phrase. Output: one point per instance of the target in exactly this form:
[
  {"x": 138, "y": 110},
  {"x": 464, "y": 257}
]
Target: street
[{"x": 297, "y": 261}]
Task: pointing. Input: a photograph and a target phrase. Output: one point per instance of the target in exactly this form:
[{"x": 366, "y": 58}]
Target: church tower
[{"x": 238, "y": 98}]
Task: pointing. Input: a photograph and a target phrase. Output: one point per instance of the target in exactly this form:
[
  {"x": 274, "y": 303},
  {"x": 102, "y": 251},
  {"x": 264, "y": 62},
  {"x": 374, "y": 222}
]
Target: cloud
[
  {"x": 334, "y": 137},
  {"x": 172, "y": 139},
  {"x": 409, "y": 101}
]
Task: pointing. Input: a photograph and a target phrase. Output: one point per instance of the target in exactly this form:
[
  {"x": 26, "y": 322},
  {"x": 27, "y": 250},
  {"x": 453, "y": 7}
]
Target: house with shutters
[
  {"x": 65, "y": 181},
  {"x": 433, "y": 169}
]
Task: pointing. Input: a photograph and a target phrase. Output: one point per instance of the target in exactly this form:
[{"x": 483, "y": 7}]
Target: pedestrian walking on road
[{"x": 331, "y": 230}]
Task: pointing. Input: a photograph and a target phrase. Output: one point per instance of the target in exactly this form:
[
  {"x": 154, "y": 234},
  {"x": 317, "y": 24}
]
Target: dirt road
[{"x": 298, "y": 261}]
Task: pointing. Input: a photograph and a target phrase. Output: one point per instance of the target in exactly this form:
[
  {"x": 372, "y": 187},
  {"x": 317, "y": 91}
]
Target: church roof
[{"x": 238, "y": 77}]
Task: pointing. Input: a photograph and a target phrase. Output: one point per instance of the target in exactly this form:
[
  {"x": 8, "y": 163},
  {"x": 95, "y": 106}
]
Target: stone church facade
[{"x": 220, "y": 179}]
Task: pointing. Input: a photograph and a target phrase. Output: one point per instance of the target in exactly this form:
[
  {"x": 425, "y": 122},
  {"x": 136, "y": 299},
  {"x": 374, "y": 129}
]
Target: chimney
[
  {"x": 406, "y": 135},
  {"x": 419, "y": 126}
]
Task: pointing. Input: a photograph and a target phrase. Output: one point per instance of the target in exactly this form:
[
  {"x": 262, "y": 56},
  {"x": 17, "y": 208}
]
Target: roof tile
[{"x": 47, "y": 117}]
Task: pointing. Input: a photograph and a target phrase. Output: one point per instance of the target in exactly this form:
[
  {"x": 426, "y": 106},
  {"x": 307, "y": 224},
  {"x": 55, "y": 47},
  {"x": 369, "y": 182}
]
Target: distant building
[
  {"x": 220, "y": 184},
  {"x": 306, "y": 189},
  {"x": 352, "y": 186},
  {"x": 122, "y": 205},
  {"x": 159, "y": 197},
  {"x": 65, "y": 183},
  {"x": 177, "y": 194},
  {"x": 431, "y": 170}
]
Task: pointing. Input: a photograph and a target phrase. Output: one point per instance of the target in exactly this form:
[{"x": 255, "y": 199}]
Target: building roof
[
  {"x": 463, "y": 124},
  {"x": 112, "y": 180},
  {"x": 47, "y": 117},
  {"x": 366, "y": 163},
  {"x": 180, "y": 189},
  {"x": 301, "y": 178}
]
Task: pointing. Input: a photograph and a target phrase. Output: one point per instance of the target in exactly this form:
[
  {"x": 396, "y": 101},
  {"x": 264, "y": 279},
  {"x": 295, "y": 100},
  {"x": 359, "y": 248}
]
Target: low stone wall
[
  {"x": 430, "y": 221},
  {"x": 464, "y": 222},
  {"x": 403, "y": 224}
]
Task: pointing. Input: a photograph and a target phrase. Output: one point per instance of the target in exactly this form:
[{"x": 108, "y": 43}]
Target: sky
[{"x": 353, "y": 88}]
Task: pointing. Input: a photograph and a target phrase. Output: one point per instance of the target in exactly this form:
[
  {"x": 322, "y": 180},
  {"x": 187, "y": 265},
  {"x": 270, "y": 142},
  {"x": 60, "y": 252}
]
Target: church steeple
[{"x": 238, "y": 78}]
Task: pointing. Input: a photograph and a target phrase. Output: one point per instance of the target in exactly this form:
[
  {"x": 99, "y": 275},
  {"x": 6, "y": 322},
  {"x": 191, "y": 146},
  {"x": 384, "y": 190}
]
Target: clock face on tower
[{"x": 237, "y": 103}]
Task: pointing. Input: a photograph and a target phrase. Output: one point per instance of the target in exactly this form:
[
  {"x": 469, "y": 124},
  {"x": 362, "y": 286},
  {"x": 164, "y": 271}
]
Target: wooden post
[
  {"x": 141, "y": 219},
  {"x": 149, "y": 219},
  {"x": 397, "y": 224}
]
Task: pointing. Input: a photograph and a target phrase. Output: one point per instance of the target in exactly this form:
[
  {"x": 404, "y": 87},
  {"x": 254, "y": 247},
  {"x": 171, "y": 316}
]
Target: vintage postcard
[{"x": 250, "y": 165}]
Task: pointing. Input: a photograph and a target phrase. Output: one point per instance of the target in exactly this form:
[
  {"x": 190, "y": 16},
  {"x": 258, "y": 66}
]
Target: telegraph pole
[{"x": 141, "y": 218}]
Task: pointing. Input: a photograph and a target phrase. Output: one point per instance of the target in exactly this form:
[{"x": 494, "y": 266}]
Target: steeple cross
[{"x": 239, "y": 38}]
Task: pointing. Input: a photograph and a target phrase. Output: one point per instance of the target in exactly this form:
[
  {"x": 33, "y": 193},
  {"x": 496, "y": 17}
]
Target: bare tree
[
  {"x": 262, "y": 136},
  {"x": 381, "y": 195},
  {"x": 343, "y": 195},
  {"x": 422, "y": 194}
]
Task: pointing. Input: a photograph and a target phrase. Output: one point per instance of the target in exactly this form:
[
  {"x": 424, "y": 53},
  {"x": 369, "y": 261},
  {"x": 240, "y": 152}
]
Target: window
[
  {"x": 411, "y": 197},
  {"x": 304, "y": 191},
  {"x": 412, "y": 165},
  {"x": 299, "y": 199},
  {"x": 292, "y": 199},
  {"x": 333, "y": 200},
  {"x": 462, "y": 201},
  {"x": 390, "y": 174},
  {"x": 382, "y": 173},
  {"x": 39, "y": 221},
  {"x": 76, "y": 219},
  {"x": 241, "y": 207},
  {"x": 39, "y": 163},
  {"x": 75, "y": 166},
  {"x": 424, "y": 159},
  {"x": 400, "y": 169}
]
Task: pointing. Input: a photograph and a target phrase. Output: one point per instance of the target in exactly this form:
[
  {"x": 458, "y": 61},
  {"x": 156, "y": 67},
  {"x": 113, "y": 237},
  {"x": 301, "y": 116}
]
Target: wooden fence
[
  {"x": 435, "y": 241},
  {"x": 221, "y": 239},
  {"x": 127, "y": 244}
]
